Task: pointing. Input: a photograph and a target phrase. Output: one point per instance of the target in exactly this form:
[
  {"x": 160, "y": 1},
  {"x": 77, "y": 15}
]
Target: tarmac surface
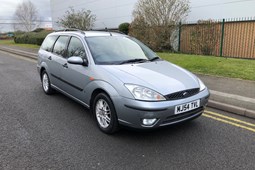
[{"x": 232, "y": 95}]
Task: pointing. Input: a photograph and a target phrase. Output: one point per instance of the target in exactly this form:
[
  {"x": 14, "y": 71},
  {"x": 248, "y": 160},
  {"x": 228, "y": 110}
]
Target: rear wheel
[
  {"x": 105, "y": 114},
  {"x": 46, "y": 85}
]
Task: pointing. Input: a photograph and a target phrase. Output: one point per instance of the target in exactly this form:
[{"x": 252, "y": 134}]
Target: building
[{"x": 111, "y": 13}]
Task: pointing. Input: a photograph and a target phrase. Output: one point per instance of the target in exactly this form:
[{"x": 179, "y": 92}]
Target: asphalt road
[{"x": 53, "y": 132}]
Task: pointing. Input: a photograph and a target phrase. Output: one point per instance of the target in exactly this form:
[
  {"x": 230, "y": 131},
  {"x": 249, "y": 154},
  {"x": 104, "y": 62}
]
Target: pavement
[{"x": 232, "y": 95}]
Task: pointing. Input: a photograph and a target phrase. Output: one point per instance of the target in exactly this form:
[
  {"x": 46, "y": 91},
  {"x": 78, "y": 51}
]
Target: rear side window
[
  {"x": 48, "y": 43},
  {"x": 76, "y": 48},
  {"x": 60, "y": 45}
]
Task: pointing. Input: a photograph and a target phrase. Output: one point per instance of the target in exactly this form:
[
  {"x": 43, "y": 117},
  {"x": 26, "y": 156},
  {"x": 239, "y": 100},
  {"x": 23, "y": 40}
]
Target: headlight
[
  {"x": 143, "y": 93},
  {"x": 202, "y": 85}
]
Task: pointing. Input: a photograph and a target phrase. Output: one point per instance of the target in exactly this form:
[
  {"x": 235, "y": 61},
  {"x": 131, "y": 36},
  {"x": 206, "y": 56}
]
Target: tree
[
  {"x": 159, "y": 19},
  {"x": 27, "y": 16},
  {"x": 81, "y": 19},
  {"x": 124, "y": 27}
]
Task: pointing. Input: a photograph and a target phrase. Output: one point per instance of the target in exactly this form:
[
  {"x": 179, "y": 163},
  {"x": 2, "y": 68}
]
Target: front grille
[
  {"x": 183, "y": 116},
  {"x": 182, "y": 94}
]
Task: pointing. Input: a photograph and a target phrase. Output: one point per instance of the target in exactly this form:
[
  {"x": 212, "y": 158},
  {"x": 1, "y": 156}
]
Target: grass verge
[
  {"x": 11, "y": 42},
  {"x": 211, "y": 65}
]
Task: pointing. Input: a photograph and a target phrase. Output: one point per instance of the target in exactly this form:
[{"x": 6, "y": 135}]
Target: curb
[
  {"x": 232, "y": 109},
  {"x": 19, "y": 52},
  {"x": 212, "y": 103},
  {"x": 236, "y": 101}
]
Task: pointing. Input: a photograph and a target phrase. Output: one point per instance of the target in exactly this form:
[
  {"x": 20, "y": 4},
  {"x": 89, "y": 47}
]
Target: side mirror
[
  {"x": 85, "y": 62},
  {"x": 77, "y": 60}
]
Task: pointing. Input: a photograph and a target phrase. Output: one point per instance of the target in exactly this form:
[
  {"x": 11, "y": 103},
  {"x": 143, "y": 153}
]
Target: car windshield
[{"x": 119, "y": 50}]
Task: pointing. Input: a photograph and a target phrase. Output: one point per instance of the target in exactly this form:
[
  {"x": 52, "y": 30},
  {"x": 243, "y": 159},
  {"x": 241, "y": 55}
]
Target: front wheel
[{"x": 105, "y": 114}]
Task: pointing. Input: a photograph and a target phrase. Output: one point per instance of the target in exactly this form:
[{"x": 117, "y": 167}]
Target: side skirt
[{"x": 69, "y": 95}]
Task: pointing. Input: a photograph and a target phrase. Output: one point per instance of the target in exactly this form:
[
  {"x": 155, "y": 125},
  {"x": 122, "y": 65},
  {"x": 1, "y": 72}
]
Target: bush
[
  {"x": 205, "y": 37},
  {"x": 31, "y": 37},
  {"x": 38, "y": 30},
  {"x": 124, "y": 27},
  {"x": 156, "y": 37}
]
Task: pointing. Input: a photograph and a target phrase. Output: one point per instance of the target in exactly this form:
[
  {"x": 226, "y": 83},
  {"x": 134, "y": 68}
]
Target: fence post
[
  {"x": 222, "y": 37},
  {"x": 179, "y": 41}
]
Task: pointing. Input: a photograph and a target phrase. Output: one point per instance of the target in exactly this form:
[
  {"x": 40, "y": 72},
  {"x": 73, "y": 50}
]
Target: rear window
[
  {"x": 48, "y": 43},
  {"x": 60, "y": 45}
]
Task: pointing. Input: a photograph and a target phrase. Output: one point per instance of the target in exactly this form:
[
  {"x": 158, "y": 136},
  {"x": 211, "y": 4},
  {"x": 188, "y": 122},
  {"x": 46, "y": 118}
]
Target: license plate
[{"x": 187, "y": 107}]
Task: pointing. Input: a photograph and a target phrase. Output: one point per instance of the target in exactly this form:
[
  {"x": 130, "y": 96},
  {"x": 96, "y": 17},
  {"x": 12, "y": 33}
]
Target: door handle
[
  {"x": 49, "y": 58},
  {"x": 65, "y": 65}
]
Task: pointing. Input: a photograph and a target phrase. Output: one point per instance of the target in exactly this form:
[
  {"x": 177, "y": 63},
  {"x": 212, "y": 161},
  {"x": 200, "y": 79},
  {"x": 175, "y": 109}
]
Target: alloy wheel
[{"x": 103, "y": 113}]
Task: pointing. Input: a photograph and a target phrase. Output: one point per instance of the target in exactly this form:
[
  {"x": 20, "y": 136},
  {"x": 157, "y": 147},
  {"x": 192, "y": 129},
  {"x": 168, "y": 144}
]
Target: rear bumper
[
  {"x": 38, "y": 68},
  {"x": 132, "y": 112}
]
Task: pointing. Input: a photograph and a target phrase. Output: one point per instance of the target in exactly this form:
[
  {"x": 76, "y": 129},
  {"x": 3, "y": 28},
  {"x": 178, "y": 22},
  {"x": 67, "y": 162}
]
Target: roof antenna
[{"x": 106, "y": 29}]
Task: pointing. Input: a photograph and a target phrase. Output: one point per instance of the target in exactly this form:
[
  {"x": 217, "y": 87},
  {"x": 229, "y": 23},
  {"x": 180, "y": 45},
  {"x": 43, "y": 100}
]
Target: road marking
[{"x": 229, "y": 120}]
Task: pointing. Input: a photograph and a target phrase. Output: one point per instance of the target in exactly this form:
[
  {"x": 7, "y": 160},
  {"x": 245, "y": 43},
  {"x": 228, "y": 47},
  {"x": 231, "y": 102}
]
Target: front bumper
[{"x": 131, "y": 112}]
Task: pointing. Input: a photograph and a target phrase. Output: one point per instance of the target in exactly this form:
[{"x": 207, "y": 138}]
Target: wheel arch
[
  {"x": 42, "y": 68},
  {"x": 97, "y": 87},
  {"x": 95, "y": 93},
  {"x": 41, "y": 71}
]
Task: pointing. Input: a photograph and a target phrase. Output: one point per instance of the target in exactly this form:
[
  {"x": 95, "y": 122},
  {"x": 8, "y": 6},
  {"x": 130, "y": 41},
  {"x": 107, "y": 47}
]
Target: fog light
[{"x": 149, "y": 122}]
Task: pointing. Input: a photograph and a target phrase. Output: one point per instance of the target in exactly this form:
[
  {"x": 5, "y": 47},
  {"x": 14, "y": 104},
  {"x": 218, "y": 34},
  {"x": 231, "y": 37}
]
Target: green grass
[
  {"x": 211, "y": 65},
  {"x": 11, "y": 42}
]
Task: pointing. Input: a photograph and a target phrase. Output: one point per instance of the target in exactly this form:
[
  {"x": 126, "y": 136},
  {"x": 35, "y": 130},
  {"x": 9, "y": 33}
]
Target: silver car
[{"x": 120, "y": 79}]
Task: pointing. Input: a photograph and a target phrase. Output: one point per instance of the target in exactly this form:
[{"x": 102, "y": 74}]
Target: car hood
[{"x": 162, "y": 76}]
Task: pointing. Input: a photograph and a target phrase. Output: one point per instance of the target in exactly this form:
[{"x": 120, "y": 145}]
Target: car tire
[
  {"x": 46, "y": 84},
  {"x": 105, "y": 114}
]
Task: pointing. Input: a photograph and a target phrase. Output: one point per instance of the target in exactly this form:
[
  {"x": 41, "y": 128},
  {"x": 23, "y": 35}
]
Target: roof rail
[
  {"x": 110, "y": 30},
  {"x": 70, "y": 29},
  {"x": 117, "y": 31}
]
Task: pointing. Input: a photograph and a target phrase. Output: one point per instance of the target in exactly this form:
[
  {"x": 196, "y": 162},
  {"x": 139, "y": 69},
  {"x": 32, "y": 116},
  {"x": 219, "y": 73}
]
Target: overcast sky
[
  {"x": 200, "y": 9},
  {"x": 219, "y": 9},
  {"x": 8, "y": 8}
]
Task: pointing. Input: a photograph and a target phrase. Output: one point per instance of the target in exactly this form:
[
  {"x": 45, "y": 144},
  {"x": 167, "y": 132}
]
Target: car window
[
  {"x": 116, "y": 49},
  {"x": 76, "y": 48},
  {"x": 49, "y": 42},
  {"x": 60, "y": 45}
]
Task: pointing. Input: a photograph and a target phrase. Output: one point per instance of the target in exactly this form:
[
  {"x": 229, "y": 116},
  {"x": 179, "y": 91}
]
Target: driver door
[{"x": 75, "y": 76}]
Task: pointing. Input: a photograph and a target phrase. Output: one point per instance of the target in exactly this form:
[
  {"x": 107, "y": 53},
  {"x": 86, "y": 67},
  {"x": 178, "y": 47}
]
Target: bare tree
[
  {"x": 26, "y": 14},
  {"x": 159, "y": 19},
  {"x": 81, "y": 19}
]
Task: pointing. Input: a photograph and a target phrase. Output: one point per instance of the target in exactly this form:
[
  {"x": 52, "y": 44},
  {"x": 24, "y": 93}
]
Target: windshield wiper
[
  {"x": 154, "y": 58},
  {"x": 140, "y": 60}
]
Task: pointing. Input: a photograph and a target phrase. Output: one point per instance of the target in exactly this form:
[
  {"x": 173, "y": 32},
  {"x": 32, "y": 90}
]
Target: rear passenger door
[
  {"x": 58, "y": 60},
  {"x": 45, "y": 53}
]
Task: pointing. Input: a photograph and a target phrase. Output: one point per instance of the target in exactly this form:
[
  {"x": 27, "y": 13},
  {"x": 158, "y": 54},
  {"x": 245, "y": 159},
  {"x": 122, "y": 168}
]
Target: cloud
[{"x": 8, "y": 8}]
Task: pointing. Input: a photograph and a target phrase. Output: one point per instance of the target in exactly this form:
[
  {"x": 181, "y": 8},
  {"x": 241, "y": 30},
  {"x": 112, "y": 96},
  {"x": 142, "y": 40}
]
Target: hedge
[{"x": 31, "y": 37}]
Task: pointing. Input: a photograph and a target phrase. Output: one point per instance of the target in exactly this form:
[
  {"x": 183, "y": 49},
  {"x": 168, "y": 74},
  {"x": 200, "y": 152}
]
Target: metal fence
[{"x": 226, "y": 38}]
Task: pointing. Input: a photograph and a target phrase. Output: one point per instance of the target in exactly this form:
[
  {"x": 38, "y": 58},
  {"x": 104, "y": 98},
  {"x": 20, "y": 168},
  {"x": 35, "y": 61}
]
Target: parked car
[{"x": 120, "y": 79}]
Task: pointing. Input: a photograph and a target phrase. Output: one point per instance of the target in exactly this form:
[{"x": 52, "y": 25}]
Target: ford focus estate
[{"x": 119, "y": 79}]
